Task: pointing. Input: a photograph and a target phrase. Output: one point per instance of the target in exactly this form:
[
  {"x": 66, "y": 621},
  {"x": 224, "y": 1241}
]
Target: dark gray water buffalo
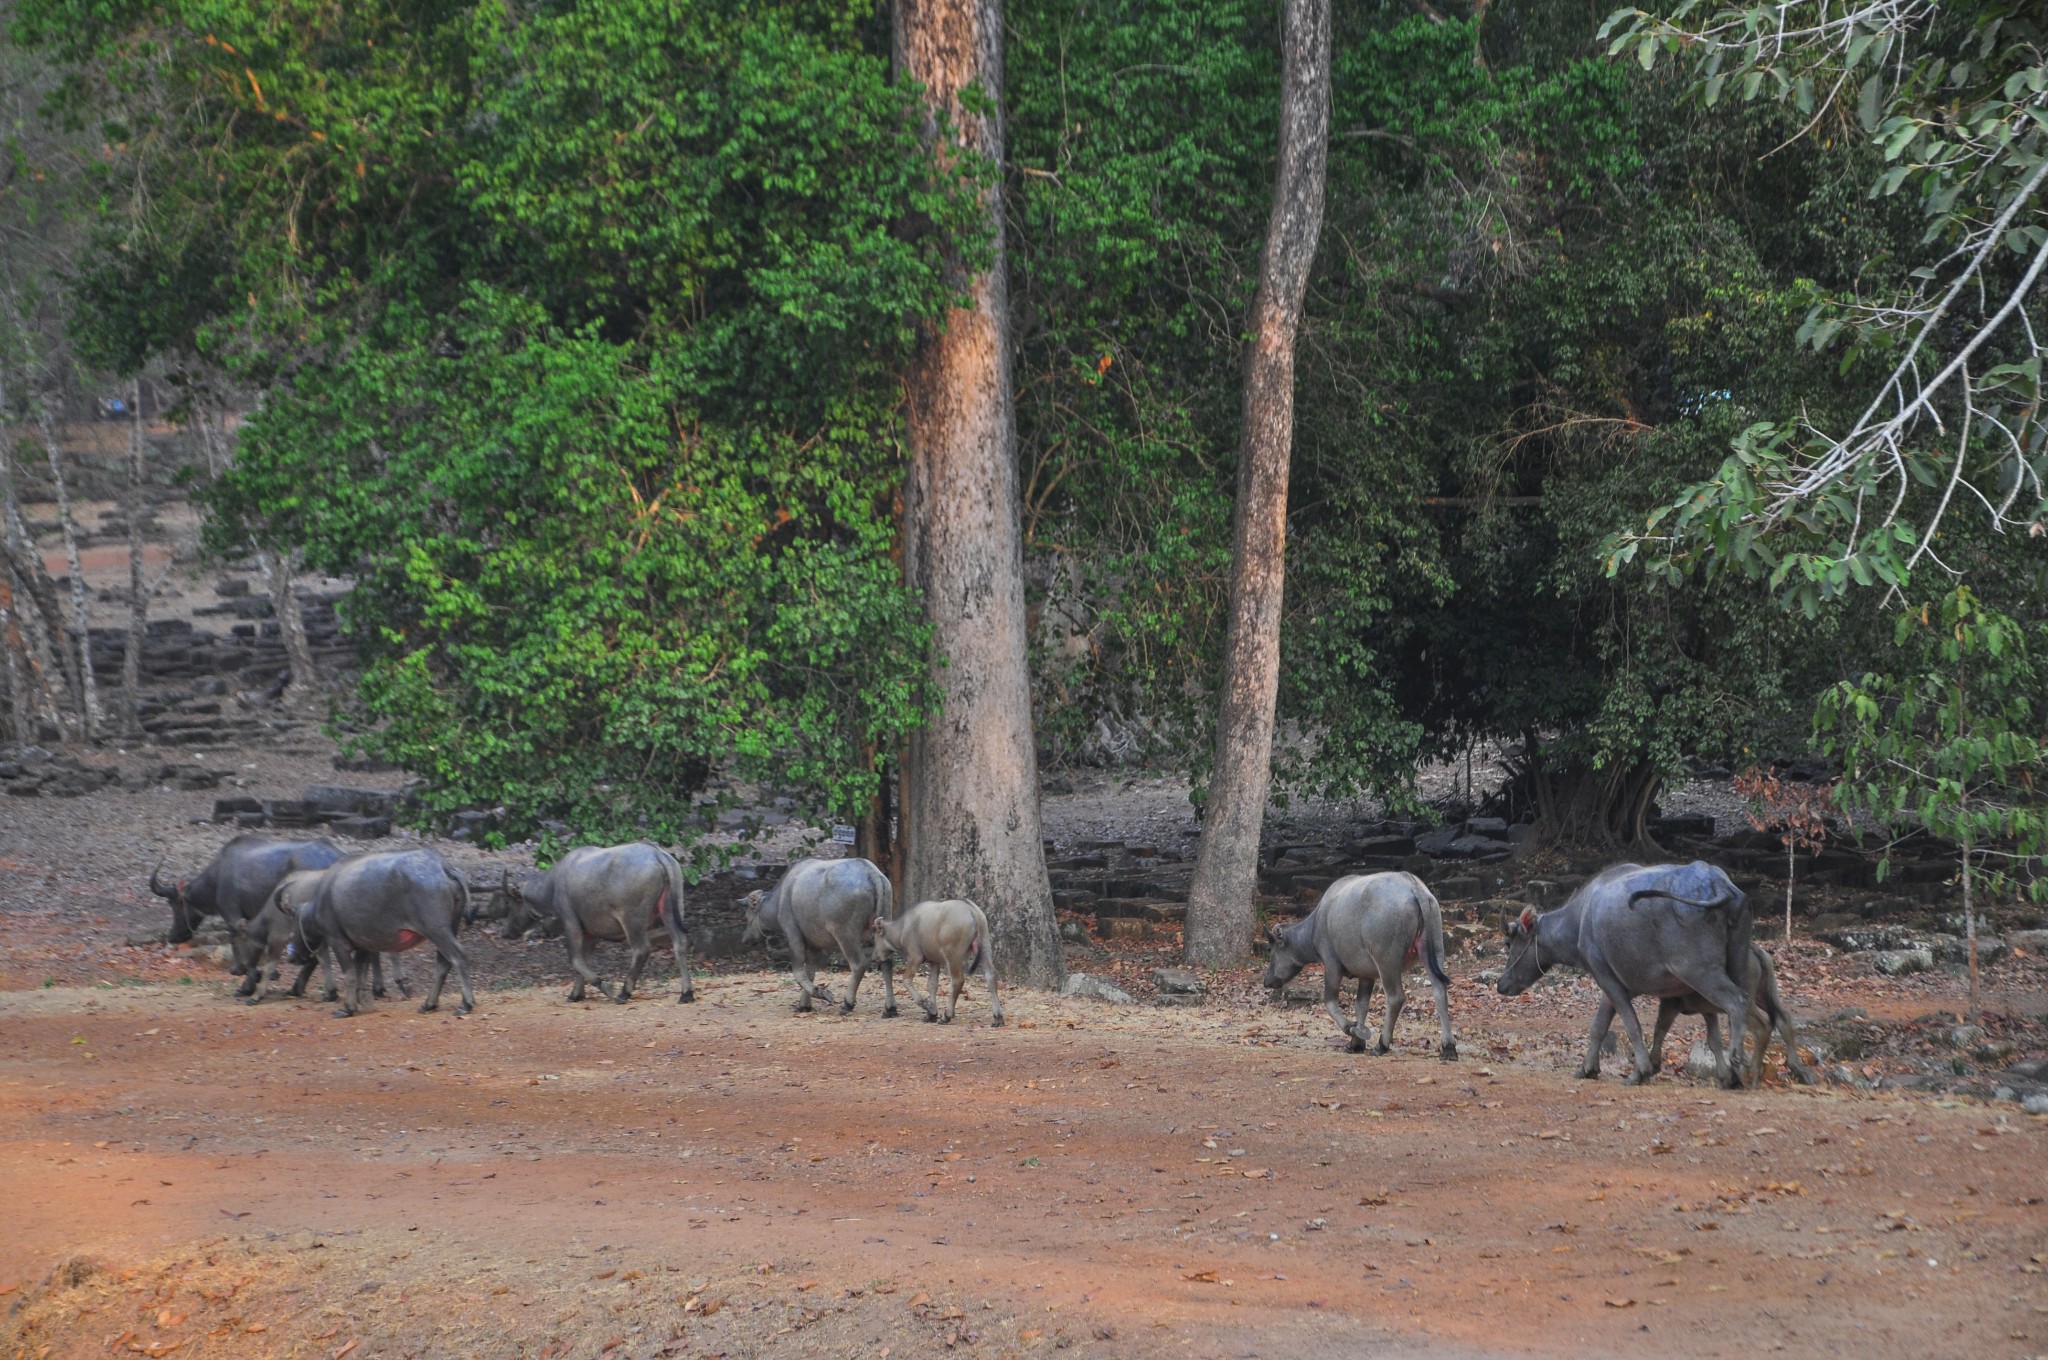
[
  {"x": 1372, "y": 927},
  {"x": 278, "y": 934},
  {"x": 238, "y": 882},
  {"x": 1665, "y": 931},
  {"x": 953, "y": 932},
  {"x": 1768, "y": 1014},
  {"x": 388, "y": 903},
  {"x": 614, "y": 892},
  {"x": 826, "y": 904}
]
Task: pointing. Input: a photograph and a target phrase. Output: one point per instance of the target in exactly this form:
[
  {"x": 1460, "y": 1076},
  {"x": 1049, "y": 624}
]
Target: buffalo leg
[
  {"x": 1668, "y": 1010},
  {"x": 398, "y": 976},
  {"x": 800, "y": 966},
  {"x": 333, "y": 974},
  {"x": 988, "y": 975},
  {"x": 1330, "y": 988},
  {"x": 357, "y": 979},
  {"x": 889, "y": 987},
  {"x": 1397, "y": 997},
  {"x": 857, "y": 966},
  {"x": 636, "y": 940},
  {"x": 1603, "y": 1020},
  {"x": 1720, "y": 992},
  {"x": 377, "y": 976},
  {"x": 1618, "y": 996},
  {"x": 1447, "y": 1044},
  {"x": 451, "y": 955},
  {"x": 298, "y": 988},
  {"x": 931, "y": 985},
  {"x": 574, "y": 938},
  {"x": 956, "y": 978},
  {"x": 679, "y": 939}
]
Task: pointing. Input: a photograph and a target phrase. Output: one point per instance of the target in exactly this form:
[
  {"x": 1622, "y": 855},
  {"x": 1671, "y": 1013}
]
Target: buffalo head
[
  {"x": 1525, "y": 956},
  {"x": 174, "y": 893},
  {"x": 1283, "y": 964},
  {"x": 755, "y": 931}
]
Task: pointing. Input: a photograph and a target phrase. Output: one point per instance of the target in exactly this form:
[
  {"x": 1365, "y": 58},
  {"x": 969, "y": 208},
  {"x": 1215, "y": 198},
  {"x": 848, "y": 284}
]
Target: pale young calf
[{"x": 953, "y": 932}]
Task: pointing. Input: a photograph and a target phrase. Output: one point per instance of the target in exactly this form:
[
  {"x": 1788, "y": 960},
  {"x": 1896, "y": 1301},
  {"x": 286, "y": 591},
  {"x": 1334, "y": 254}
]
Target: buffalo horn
[{"x": 159, "y": 889}]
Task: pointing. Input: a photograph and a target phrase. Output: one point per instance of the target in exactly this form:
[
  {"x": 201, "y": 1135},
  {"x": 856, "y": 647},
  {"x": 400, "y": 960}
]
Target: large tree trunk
[
  {"x": 1220, "y": 898},
  {"x": 279, "y": 571},
  {"x": 81, "y": 618},
  {"x": 971, "y": 808},
  {"x": 138, "y": 589}
]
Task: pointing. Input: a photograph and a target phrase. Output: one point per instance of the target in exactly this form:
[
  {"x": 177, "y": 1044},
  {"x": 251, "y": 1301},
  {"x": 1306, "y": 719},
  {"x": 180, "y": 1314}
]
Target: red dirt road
[{"x": 546, "y": 1179}]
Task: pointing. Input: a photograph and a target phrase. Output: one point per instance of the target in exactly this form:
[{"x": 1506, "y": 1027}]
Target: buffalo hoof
[
  {"x": 931, "y": 1017},
  {"x": 1448, "y": 1053},
  {"x": 846, "y": 1008},
  {"x": 461, "y": 1011},
  {"x": 686, "y": 998},
  {"x": 343, "y": 1013},
  {"x": 1380, "y": 1049},
  {"x": 945, "y": 1019},
  {"x": 251, "y": 1001},
  {"x": 622, "y": 998},
  {"x": 1588, "y": 1073},
  {"x": 379, "y": 994},
  {"x": 996, "y": 1022},
  {"x": 237, "y": 971},
  {"x": 330, "y": 995},
  {"x": 1357, "y": 1045},
  {"x": 429, "y": 1007},
  {"x": 1638, "y": 1078},
  {"x": 890, "y": 1012},
  {"x": 803, "y": 1007}
]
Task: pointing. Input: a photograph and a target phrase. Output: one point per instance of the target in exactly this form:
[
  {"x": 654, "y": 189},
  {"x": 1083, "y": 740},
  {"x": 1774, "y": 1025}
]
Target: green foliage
[
  {"x": 1948, "y": 105},
  {"x": 1953, "y": 735},
  {"x": 579, "y": 326},
  {"x": 1548, "y": 295}
]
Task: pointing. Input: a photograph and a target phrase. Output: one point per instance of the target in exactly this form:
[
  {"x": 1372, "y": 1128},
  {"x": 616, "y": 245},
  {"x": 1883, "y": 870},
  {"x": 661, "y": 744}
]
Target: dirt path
[{"x": 547, "y": 1179}]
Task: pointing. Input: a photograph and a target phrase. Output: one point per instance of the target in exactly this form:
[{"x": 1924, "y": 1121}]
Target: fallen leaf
[
  {"x": 244, "y": 1214},
  {"x": 1031, "y": 1334},
  {"x": 257, "y": 1327},
  {"x": 802, "y": 1285},
  {"x": 713, "y": 1305},
  {"x": 1202, "y": 1277},
  {"x": 1621, "y": 1303},
  {"x": 918, "y": 1300},
  {"x": 1257, "y": 1173},
  {"x": 346, "y": 1347},
  {"x": 605, "y": 1274},
  {"x": 9, "y": 1288},
  {"x": 166, "y": 1319},
  {"x": 951, "y": 1157}
]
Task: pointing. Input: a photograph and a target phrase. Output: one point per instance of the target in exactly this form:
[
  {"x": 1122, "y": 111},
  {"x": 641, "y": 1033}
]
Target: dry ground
[{"x": 181, "y": 1175}]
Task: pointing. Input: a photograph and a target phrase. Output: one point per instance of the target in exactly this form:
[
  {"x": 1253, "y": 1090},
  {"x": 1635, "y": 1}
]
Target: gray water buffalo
[
  {"x": 1664, "y": 931},
  {"x": 277, "y": 934},
  {"x": 236, "y": 884},
  {"x": 1768, "y": 1014},
  {"x": 826, "y": 904},
  {"x": 615, "y": 892},
  {"x": 1372, "y": 927},
  {"x": 388, "y": 903},
  {"x": 953, "y": 932}
]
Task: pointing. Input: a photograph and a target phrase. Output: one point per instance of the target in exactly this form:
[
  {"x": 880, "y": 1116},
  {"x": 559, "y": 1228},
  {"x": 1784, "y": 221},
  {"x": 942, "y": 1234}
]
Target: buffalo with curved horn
[{"x": 238, "y": 881}]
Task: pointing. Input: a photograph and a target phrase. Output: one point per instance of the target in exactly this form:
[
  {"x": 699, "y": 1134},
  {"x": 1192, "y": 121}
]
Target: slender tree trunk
[
  {"x": 28, "y": 694},
  {"x": 1970, "y": 924},
  {"x": 89, "y": 695},
  {"x": 1220, "y": 898},
  {"x": 1791, "y": 872},
  {"x": 45, "y": 622},
  {"x": 278, "y": 572},
  {"x": 138, "y": 591},
  {"x": 972, "y": 813}
]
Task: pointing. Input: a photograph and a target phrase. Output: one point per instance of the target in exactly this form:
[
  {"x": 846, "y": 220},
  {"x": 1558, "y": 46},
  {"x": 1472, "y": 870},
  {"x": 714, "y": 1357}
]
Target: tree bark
[
  {"x": 1220, "y": 897},
  {"x": 138, "y": 589},
  {"x": 81, "y": 618},
  {"x": 278, "y": 571},
  {"x": 970, "y": 806},
  {"x": 44, "y": 623}
]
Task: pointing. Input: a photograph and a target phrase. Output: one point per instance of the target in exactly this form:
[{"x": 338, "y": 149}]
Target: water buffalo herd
[{"x": 1680, "y": 933}]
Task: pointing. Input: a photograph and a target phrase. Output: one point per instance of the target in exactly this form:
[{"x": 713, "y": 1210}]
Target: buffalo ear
[{"x": 1528, "y": 918}]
